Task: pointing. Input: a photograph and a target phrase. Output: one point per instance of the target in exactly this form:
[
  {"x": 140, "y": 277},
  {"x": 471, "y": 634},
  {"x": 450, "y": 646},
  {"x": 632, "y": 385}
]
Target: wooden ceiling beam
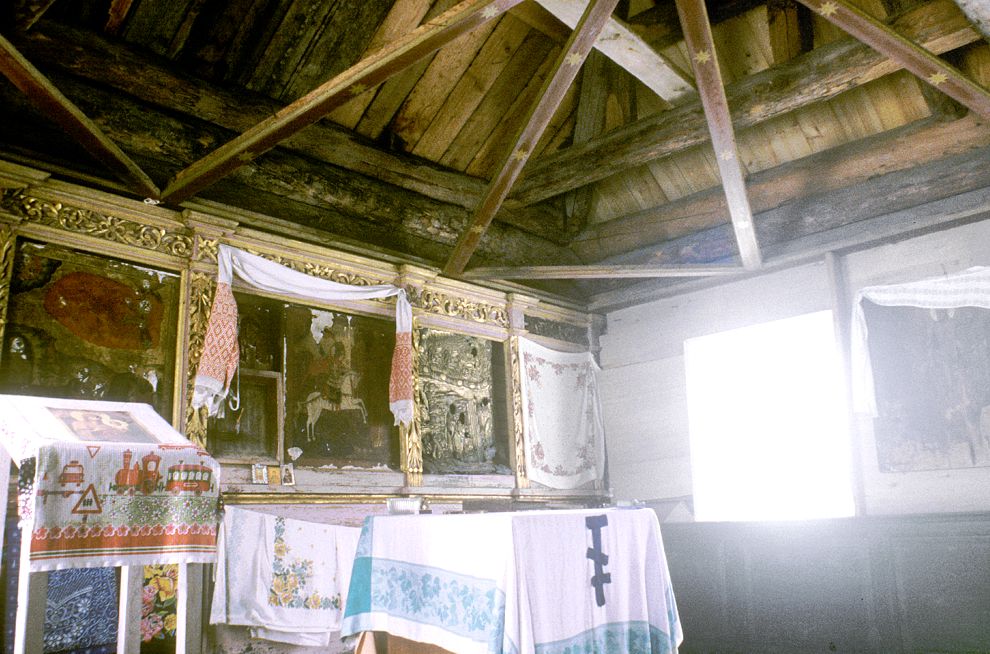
[
  {"x": 967, "y": 201},
  {"x": 701, "y": 49},
  {"x": 565, "y": 69},
  {"x": 928, "y": 67},
  {"x": 305, "y": 111},
  {"x": 601, "y": 272},
  {"x": 52, "y": 103},
  {"x": 126, "y": 70},
  {"x": 629, "y": 51},
  {"x": 912, "y": 145},
  {"x": 824, "y": 73}
]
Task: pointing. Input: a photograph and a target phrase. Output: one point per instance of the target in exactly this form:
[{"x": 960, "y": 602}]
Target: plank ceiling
[{"x": 489, "y": 139}]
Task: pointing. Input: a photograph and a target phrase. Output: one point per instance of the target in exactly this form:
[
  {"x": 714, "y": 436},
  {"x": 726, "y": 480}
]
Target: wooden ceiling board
[
  {"x": 743, "y": 45},
  {"x": 560, "y": 128},
  {"x": 975, "y": 62},
  {"x": 390, "y": 95},
  {"x": 521, "y": 146},
  {"x": 469, "y": 91},
  {"x": 643, "y": 189},
  {"x": 784, "y": 35},
  {"x": 559, "y": 134},
  {"x": 288, "y": 45},
  {"x": 403, "y": 17},
  {"x": 427, "y": 98},
  {"x": 341, "y": 40},
  {"x": 498, "y": 104},
  {"x": 154, "y": 24}
]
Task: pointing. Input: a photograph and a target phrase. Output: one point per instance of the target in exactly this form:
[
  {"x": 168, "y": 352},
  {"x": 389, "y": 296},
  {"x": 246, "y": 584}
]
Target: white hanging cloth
[
  {"x": 562, "y": 416},
  {"x": 970, "y": 288},
  {"x": 220, "y": 348}
]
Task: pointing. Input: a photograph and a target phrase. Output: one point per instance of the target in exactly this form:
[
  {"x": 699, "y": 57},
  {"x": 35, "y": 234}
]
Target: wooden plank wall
[
  {"x": 902, "y": 584},
  {"x": 643, "y": 389}
]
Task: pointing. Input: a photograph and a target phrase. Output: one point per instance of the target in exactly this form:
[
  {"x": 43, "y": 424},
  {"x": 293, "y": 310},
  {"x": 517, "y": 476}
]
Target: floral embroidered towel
[
  {"x": 284, "y": 578},
  {"x": 562, "y": 417}
]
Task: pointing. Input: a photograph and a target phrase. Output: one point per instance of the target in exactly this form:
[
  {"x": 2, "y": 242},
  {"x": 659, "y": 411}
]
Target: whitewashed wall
[
  {"x": 643, "y": 389},
  {"x": 642, "y": 357}
]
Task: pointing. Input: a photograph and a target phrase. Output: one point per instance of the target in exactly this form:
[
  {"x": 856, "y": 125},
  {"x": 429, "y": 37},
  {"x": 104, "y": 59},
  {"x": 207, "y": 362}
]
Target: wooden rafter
[
  {"x": 368, "y": 72},
  {"x": 928, "y": 67},
  {"x": 117, "y": 14},
  {"x": 601, "y": 272},
  {"x": 628, "y": 50},
  {"x": 51, "y": 102},
  {"x": 565, "y": 69},
  {"x": 28, "y": 13},
  {"x": 701, "y": 49},
  {"x": 819, "y": 75}
]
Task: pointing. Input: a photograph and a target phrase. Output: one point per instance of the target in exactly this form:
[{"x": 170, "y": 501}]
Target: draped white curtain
[
  {"x": 970, "y": 288},
  {"x": 220, "y": 350}
]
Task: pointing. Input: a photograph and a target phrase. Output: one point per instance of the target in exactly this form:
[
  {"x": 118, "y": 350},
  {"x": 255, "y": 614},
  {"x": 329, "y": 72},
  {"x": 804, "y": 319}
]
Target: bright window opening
[{"x": 768, "y": 422}]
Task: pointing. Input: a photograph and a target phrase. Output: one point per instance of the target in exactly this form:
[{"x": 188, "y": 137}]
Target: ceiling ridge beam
[
  {"x": 701, "y": 50},
  {"x": 818, "y": 75},
  {"x": 54, "y": 104},
  {"x": 627, "y": 49},
  {"x": 614, "y": 271},
  {"x": 927, "y": 67},
  {"x": 566, "y": 68},
  {"x": 370, "y": 71}
]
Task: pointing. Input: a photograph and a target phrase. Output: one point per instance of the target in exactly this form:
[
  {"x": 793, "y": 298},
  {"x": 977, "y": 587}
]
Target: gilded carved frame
[{"x": 187, "y": 243}]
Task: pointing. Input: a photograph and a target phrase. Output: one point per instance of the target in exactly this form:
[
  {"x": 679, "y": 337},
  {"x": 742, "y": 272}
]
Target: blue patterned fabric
[
  {"x": 81, "y": 611},
  {"x": 628, "y": 637},
  {"x": 10, "y": 564},
  {"x": 463, "y": 605}
]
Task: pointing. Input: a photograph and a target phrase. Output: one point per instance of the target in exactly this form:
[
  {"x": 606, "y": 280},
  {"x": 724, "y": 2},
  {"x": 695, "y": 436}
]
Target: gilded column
[
  {"x": 7, "y": 241},
  {"x": 516, "y": 306},
  {"x": 414, "y": 279}
]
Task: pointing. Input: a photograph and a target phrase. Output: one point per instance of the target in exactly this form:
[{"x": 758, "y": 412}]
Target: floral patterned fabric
[
  {"x": 158, "y": 603},
  {"x": 511, "y": 583},
  {"x": 284, "y": 578},
  {"x": 562, "y": 417},
  {"x": 434, "y": 579},
  {"x": 81, "y": 610}
]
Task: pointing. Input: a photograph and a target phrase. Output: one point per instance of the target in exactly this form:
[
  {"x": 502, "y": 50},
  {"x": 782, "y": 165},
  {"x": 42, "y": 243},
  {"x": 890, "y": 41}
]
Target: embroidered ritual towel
[
  {"x": 970, "y": 288},
  {"x": 437, "y": 579},
  {"x": 219, "y": 360},
  {"x": 284, "y": 578},
  {"x": 590, "y": 581},
  {"x": 100, "y": 504},
  {"x": 221, "y": 352},
  {"x": 562, "y": 417}
]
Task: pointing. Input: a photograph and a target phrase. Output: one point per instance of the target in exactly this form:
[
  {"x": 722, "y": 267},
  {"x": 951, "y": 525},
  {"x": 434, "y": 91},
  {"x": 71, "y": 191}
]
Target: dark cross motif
[{"x": 600, "y": 558}]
